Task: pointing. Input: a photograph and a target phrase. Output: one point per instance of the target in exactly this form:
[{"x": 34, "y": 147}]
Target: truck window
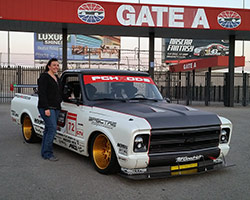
[
  {"x": 116, "y": 87},
  {"x": 72, "y": 89}
]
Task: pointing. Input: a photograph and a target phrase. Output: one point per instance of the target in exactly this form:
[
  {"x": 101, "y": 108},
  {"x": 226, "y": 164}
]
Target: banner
[
  {"x": 116, "y": 78},
  {"x": 80, "y": 47},
  {"x": 180, "y": 49},
  {"x": 125, "y": 14}
]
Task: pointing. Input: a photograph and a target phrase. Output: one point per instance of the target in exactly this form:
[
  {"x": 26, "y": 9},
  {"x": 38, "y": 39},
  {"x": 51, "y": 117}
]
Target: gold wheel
[
  {"x": 102, "y": 151},
  {"x": 27, "y": 128}
]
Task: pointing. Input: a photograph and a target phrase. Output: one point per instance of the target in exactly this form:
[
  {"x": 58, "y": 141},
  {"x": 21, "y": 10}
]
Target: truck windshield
[{"x": 105, "y": 87}]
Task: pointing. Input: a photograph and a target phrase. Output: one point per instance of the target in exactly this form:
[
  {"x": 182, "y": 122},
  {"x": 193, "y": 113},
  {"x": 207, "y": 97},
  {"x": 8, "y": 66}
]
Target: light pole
[{"x": 8, "y": 48}]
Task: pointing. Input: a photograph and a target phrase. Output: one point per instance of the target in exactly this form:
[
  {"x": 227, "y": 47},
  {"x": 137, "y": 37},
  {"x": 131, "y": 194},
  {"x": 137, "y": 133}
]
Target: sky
[{"x": 23, "y": 43}]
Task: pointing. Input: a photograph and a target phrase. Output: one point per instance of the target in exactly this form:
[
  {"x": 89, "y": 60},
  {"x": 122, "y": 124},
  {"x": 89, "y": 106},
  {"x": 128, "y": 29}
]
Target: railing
[
  {"x": 169, "y": 85},
  {"x": 16, "y": 75},
  {"x": 217, "y": 93}
]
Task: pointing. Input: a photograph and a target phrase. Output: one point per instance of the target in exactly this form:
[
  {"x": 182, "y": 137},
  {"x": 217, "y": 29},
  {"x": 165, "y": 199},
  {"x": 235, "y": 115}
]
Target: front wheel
[
  {"x": 29, "y": 134},
  {"x": 103, "y": 155}
]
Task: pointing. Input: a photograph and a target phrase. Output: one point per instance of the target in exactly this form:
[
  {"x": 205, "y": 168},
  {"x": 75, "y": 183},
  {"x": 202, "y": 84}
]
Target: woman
[{"x": 49, "y": 100}]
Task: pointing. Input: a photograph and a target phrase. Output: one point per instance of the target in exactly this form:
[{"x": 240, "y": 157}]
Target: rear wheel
[
  {"x": 29, "y": 134},
  {"x": 103, "y": 155}
]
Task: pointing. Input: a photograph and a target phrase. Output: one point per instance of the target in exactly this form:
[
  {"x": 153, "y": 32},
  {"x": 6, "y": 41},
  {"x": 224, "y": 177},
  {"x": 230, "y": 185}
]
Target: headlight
[
  {"x": 224, "y": 135},
  {"x": 141, "y": 143}
]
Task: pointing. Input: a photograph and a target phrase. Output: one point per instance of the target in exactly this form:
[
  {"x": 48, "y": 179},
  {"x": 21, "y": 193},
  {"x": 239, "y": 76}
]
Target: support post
[
  {"x": 89, "y": 53},
  {"x": 8, "y": 48},
  {"x": 193, "y": 86},
  {"x": 64, "y": 49},
  {"x": 245, "y": 89},
  {"x": 188, "y": 91},
  {"x": 19, "y": 78},
  {"x": 208, "y": 86},
  {"x": 151, "y": 54},
  {"x": 179, "y": 87},
  {"x": 169, "y": 83},
  {"x": 231, "y": 70}
]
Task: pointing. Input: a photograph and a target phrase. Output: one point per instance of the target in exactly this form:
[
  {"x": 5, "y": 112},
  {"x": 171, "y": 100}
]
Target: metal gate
[{"x": 16, "y": 75}]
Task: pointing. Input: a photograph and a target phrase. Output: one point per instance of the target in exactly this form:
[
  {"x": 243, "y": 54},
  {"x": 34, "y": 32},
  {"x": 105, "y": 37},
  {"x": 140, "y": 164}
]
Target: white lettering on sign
[
  {"x": 138, "y": 79},
  {"x": 116, "y": 78},
  {"x": 127, "y": 16},
  {"x": 189, "y": 65},
  {"x": 105, "y": 78},
  {"x": 159, "y": 11},
  {"x": 130, "y": 16},
  {"x": 200, "y": 19},
  {"x": 145, "y": 17},
  {"x": 48, "y": 36},
  {"x": 173, "y": 16}
]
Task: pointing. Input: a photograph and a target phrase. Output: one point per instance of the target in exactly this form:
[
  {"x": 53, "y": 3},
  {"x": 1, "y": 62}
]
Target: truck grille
[{"x": 186, "y": 139}]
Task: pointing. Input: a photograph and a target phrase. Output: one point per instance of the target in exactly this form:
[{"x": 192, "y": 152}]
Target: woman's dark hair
[{"x": 49, "y": 63}]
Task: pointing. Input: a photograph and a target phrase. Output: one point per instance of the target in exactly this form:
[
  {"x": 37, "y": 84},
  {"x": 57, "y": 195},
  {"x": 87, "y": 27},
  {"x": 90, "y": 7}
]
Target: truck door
[{"x": 75, "y": 112}]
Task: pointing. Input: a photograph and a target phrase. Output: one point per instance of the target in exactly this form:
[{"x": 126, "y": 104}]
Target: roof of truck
[{"x": 107, "y": 72}]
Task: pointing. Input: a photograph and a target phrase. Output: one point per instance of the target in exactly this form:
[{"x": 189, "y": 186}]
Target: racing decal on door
[
  {"x": 113, "y": 78},
  {"x": 71, "y": 123},
  {"x": 61, "y": 118}
]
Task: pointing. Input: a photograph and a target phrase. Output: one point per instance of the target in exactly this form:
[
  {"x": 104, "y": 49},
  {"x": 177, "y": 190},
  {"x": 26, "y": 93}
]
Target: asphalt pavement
[{"x": 24, "y": 175}]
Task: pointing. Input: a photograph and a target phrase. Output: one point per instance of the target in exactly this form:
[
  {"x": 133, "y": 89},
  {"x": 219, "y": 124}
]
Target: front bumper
[{"x": 177, "y": 170}]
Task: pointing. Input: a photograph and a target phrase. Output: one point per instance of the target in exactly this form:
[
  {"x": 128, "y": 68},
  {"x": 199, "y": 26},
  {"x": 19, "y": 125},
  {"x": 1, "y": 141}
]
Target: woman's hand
[{"x": 47, "y": 113}]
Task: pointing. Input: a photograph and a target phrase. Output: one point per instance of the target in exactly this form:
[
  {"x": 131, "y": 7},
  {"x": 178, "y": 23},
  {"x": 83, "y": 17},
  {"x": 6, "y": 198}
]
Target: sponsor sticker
[
  {"x": 123, "y": 149},
  {"x": 91, "y": 13},
  {"x": 102, "y": 122},
  {"x": 71, "y": 123},
  {"x": 188, "y": 159},
  {"x": 113, "y": 78},
  {"x": 229, "y": 19}
]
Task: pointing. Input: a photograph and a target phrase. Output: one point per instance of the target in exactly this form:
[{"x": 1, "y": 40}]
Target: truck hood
[{"x": 163, "y": 115}]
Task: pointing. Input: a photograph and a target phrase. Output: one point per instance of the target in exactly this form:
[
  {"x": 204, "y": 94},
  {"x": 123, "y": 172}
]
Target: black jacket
[{"x": 49, "y": 92}]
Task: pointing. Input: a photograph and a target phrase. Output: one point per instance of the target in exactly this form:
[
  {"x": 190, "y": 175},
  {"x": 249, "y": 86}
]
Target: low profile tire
[
  {"x": 103, "y": 155},
  {"x": 28, "y": 131}
]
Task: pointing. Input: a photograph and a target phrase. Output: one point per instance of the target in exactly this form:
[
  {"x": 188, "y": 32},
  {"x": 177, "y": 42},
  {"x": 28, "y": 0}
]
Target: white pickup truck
[{"x": 121, "y": 121}]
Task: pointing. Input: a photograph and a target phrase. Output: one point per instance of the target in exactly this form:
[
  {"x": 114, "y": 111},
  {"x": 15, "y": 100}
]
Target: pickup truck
[{"x": 120, "y": 120}]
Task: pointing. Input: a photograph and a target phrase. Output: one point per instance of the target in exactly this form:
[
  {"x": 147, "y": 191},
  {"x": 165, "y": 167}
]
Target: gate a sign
[{"x": 158, "y": 16}]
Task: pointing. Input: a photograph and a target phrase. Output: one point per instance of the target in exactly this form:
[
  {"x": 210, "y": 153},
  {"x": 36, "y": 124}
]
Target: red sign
[
  {"x": 215, "y": 62},
  {"x": 113, "y": 78},
  {"x": 125, "y": 14}
]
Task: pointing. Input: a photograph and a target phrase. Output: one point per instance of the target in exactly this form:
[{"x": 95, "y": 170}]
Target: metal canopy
[
  {"x": 124, "y": 19},
  {"x": 87, "y": 29}
]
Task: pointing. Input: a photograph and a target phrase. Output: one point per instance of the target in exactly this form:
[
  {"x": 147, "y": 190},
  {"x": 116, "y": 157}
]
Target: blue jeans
[{"x": 49, "y": 132}]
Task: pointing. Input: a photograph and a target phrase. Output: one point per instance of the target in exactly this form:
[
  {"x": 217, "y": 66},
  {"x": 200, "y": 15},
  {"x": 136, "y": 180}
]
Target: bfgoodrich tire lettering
[{"x": 103, "y": 155}]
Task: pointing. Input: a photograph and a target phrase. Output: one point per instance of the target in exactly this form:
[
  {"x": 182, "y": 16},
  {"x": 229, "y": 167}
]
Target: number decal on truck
[{"x": 71, "y": 123}]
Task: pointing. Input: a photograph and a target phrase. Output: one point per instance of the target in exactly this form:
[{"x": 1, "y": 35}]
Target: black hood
[{"x": 163, "y": 115}]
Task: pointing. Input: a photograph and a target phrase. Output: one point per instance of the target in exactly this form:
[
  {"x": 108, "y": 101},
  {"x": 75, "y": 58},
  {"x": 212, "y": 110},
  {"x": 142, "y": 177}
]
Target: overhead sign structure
[
  {"x": 80, "y": 47},
  {"x": 126, "y": 14}
]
